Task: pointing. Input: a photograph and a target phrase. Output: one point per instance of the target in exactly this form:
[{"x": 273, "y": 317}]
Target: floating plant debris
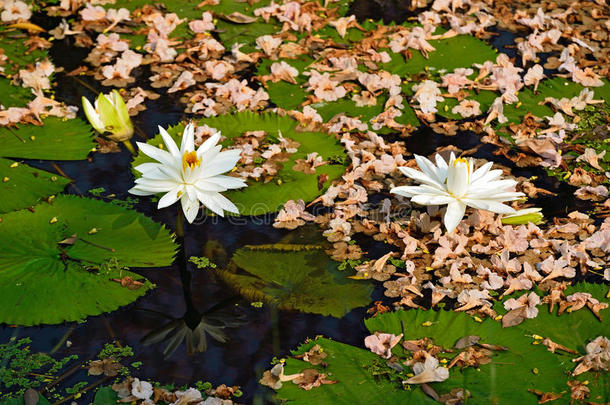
[{"x": 482, "y": 277}]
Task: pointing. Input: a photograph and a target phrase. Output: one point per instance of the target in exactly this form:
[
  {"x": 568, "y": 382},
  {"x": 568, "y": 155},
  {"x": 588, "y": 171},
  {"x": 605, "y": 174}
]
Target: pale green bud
[
  {"x": 523, "y": 217},
  {"x": 110, "y": 115}
]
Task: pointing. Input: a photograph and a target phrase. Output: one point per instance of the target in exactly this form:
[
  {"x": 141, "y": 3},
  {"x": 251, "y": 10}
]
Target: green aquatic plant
[
  {"x": 81, "y": 247},
  {"x": 21, "y": 185},
  {"x": 514, "y": 354},
  {"x": 21, "y": 369},
  {"x": 202, "y": 262},
  {"x": 12, "y": 42}
]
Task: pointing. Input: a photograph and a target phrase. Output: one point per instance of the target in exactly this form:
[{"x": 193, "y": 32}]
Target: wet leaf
[
  {"x": 467, "y": 341},
  {"x": 238, "y": 18},
  {"x": 514, "y": 317}
]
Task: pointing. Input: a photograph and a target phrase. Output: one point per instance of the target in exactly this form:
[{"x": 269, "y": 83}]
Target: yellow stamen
[
  {"x": 190, "y": 159},
  {"x": 460, "y": 160}
]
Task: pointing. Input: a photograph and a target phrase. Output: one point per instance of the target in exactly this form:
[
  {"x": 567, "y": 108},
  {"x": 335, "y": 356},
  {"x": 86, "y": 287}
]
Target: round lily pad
[{"x": 67, "y": 260}]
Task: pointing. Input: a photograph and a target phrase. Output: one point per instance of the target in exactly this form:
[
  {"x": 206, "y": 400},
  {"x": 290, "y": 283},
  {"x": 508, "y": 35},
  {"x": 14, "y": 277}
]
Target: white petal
[
  {"x": 160, "y": 155},
  {"x": 225, "y": 203},
  {"x": 170, "y": 144},
  {"x": 227, "y": 182},
  {"x": 493, "y": 186},
  {"x": 210, "y": 203},
  {"x": 224, "y": 162},
  {"x": 403, "y": 191},
  {"x": 442, "y": 166},
  {"x": 145, "y": 167},
  {"x": 458, "y": 178},
  {"x": 166, "y": 184},
  {"x": 209, "y": 143},
  {"x": 420, "y": 176},
  {"x": 191, "y": 192},
  {"x": 136, "y": 191},
  {"x": 94, "y": 118},
  {"x": 454, "y": 214},
  {"x": 209, "y": 154},
  {"x": 410, "y": 191},
  {"x": 428, "y": 168},
  {"x": 188, "y": 139},
  {"x": 169, "y": 198},
  {"x": 423, "y": 199},
  {"x": 190, "y": 209},
  {"x": 489, "y": 176},
  {"x": 481, "y": 171},
  {"x": 488, "y": 205},
  {"x": 205, "y": 186}
]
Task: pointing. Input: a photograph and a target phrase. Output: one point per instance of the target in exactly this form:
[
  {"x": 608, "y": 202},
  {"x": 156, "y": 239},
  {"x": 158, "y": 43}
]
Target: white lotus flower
[
  {"x": 190, "y": 175},
  {"x": 458, "y": 185}
]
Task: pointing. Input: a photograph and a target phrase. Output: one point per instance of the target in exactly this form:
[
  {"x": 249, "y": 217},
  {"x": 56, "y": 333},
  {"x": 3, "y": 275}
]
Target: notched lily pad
[
  {"x": 38, "y": 272},
  {"x": 22, "y": 186},
  {"x": 56, "y": 139}
]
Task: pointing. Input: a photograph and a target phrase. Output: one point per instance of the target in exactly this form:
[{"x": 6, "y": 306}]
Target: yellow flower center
[
  {"x": 460, "y": 160},
  {"x": 190, "y": 159}
]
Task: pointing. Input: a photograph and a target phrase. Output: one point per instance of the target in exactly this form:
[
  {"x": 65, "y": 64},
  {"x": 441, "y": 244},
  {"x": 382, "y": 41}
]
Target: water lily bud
[
  {"x": 109, "y": 115},
  {"x": 522, "y": 217}
]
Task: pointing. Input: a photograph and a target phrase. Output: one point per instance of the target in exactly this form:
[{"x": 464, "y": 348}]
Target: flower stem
[
  {"x": 180, "y": 223},
  {"x": 129, "y": 147}
]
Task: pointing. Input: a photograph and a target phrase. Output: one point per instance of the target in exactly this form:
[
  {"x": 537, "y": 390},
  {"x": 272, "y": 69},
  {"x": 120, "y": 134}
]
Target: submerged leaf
[{"x": 304, "y": 280}]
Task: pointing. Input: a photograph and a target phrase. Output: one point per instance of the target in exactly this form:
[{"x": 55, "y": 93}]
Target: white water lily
[
  {"x": 458, "y": 185},
  {"x": 190, "y": 175},
  {"x": 109, "y": 114}
]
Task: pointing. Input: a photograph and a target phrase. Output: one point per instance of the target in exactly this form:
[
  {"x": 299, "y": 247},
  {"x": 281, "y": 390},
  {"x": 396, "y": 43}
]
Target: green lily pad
[
  {"x": 353, "y": 368},
  {"x": 286, "y": 95},
  {"x": 12, "y": 43},
  {"x": 260, "y": 198},
  {"x": 105, "y": 396},
  {"x": 557, "y": 88},
  {"x": 227, "y": 7},
  {"x": 295, "y": 277},
  {"x": 573, "y": 330},
  {"x": 489, "y": 385},
  {"x": 56, "y": 139},
  {"x": 246, "y": 34},
  {"x": 506, "y": 379},
  {"x": 23, "y": 186},
  {"x": 57, "y": 262},
  {"x": 13, "y": 96},
  {"x": 327, "y": 110},
  {"x": 183, "y": 8},
  {"x": 461, "y": 51}
]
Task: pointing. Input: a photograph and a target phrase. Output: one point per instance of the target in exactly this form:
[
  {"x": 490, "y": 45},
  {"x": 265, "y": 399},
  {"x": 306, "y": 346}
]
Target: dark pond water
[{"x": 258, "y": 333}]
